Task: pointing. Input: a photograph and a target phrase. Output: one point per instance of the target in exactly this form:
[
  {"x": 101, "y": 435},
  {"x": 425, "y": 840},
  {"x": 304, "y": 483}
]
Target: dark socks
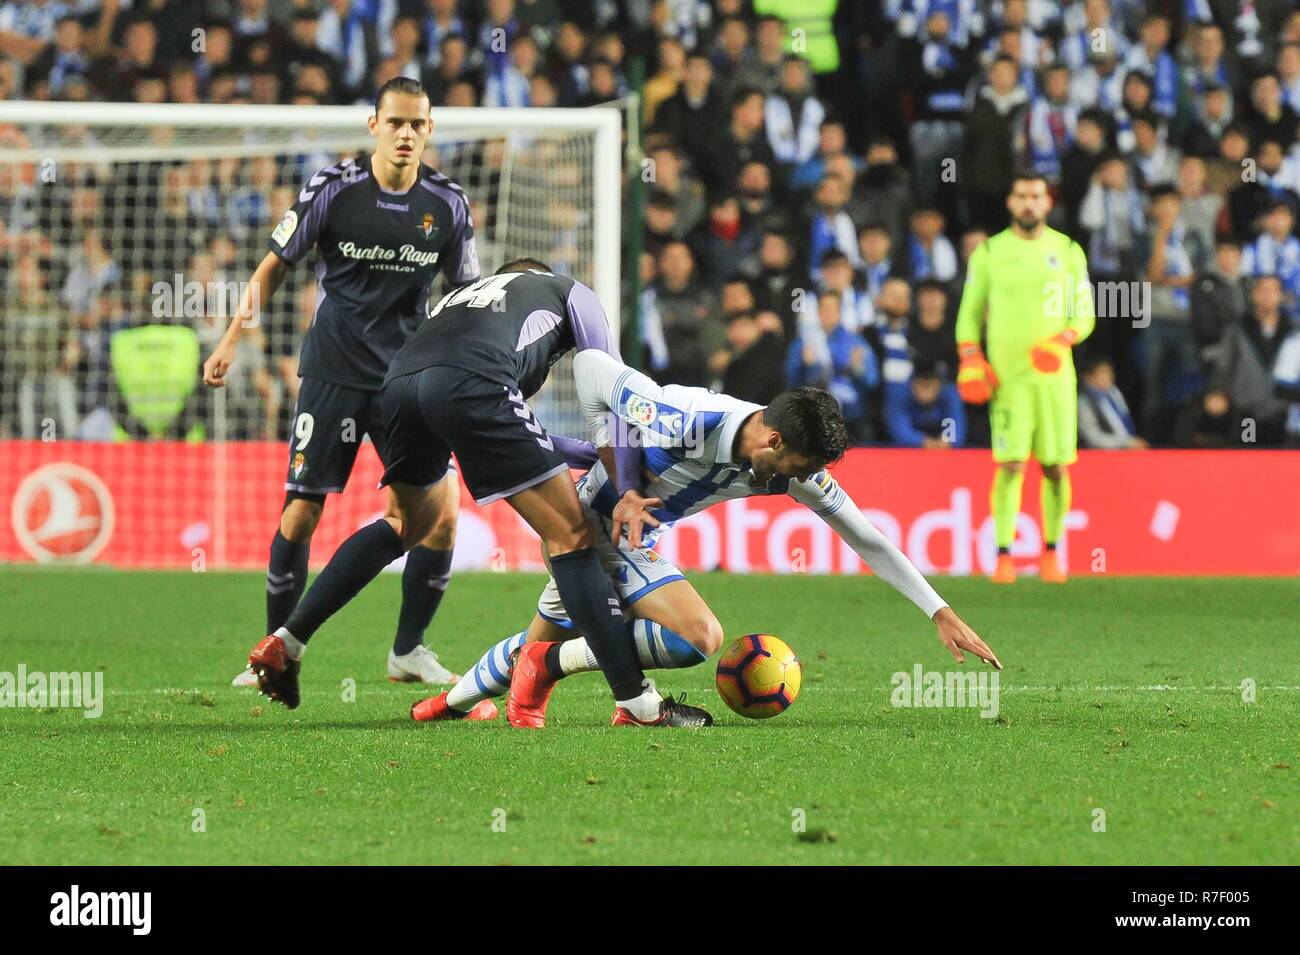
[
  {"x": 358, "y": 561},
  {"x": 423, "y": 583},
  {"x": 553, "y": 668},
  {"x": 594, "y": 608},
  {"x": 286, "y": 579}
]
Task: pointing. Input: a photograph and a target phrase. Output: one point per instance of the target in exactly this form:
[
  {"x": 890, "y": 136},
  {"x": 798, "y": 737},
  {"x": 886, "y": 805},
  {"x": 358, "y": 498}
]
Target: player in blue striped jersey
[{"x": 700, "y": 448}]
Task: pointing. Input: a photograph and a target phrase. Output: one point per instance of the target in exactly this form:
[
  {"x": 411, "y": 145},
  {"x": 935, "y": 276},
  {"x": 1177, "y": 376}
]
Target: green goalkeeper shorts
[{"x": 1036, "y": 416}]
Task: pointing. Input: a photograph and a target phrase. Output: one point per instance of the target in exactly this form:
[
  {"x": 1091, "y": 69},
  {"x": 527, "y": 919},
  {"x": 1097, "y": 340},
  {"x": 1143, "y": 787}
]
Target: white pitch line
[{"x": 820, "y": 688}]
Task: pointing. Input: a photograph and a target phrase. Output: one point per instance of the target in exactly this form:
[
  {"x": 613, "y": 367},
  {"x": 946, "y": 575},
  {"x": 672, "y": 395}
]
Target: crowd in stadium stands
[{"x": 817, "y": 175}]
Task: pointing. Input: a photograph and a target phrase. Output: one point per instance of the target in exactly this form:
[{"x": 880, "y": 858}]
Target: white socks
[
  {"x": 292, "y": 645},
  {"x": 646, "y": 706},
  {"x": 576, "y": 657}
]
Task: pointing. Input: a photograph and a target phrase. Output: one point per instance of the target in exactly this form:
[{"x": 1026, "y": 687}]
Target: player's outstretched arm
[
  {"x": 265, "y": 280},
  {"x": 823, "y": 495}
]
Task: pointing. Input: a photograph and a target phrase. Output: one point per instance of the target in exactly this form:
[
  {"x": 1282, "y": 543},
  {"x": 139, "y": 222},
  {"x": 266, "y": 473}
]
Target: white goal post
[
  {"x": 111, "y": 214},
  {"x": 604, "y": 123}
]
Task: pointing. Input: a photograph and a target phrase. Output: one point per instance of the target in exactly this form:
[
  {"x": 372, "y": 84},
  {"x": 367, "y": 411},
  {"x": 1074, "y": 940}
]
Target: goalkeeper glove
[
  {"x": 976, "y": 379},
  {"x": 1049, "y": 354}
]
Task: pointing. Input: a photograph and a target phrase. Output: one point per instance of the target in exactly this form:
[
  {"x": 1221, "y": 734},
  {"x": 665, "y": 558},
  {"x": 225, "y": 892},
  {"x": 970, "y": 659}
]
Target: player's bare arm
[
  {"x": 633, "y": 508},
  {"x": 266, "y": 279},
  {"x": 825, "y": 496},
  {"x": 957, "y": 636}
]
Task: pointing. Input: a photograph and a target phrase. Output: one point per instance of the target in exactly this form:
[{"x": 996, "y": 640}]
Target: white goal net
[{"x": 126, "y": 233}]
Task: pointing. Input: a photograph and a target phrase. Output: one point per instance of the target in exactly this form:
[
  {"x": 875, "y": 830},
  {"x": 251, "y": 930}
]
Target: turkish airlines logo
[{"x": 62, "y": 513}]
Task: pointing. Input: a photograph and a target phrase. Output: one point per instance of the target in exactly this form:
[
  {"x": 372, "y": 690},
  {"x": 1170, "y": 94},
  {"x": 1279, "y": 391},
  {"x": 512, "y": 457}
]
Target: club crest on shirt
[
  {"x": 1053, "y": 260},
  {"x": 641, "y": 410},
  {"x": 427, "y": 228},
  {"x": 299, "y": 465},
  {"x": 285, "y": 230}
]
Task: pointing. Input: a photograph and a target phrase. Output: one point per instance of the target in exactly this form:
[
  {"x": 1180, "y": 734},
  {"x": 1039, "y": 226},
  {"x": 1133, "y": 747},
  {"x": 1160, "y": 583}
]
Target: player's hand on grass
[
  {"x": 218, "y": 363},
  {"x": 956, "y": 636},
  {"x": 633, "y": 512}
]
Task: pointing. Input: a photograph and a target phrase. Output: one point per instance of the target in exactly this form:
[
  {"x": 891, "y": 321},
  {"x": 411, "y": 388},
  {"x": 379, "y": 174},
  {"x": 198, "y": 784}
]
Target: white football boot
[
  {"x": 419, "y": 666},
  {"x": 245, "y": 677}
]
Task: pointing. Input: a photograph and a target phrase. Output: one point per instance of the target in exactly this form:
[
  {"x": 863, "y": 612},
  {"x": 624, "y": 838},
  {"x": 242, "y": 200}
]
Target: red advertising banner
[{"x": 195, "y": 506}]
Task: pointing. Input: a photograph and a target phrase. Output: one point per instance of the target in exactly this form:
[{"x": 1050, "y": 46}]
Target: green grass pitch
[{"x": 1119, "y": 695}]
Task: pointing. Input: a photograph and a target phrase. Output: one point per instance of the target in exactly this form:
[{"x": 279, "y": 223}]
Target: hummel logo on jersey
[
  {"x": 522, "y": 410},
  {"x": 393, "y": 206},
  {"x": 536, "y": 325}
]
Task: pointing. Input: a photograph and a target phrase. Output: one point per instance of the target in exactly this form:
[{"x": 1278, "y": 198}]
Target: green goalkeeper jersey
[{"x": 1032, "y": 289}]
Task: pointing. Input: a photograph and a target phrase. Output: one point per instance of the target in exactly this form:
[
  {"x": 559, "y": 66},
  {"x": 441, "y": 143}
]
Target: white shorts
[{"x": 634, "y": 573}]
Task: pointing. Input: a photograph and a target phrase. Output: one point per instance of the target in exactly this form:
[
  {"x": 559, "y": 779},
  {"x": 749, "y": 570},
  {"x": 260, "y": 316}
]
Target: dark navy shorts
[{"x": 500, "y": 446}]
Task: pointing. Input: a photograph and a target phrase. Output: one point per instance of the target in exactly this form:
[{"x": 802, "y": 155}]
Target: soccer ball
[{"x": 759, "y": 676}]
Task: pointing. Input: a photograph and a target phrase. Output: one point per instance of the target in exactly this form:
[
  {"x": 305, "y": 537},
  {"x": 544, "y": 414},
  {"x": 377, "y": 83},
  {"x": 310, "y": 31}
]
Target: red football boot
[
  {"x": 530, "y": 688},
  {"x": 277, "y": 672},
  {"x": 436, "y": 708}
]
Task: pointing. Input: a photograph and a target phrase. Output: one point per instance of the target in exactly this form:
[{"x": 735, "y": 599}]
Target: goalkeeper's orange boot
[
  {"x": 1049, "y": 568},
  {"x": 530, "y": 688},
  {"x": 436, "y": 708},
  {"x": 1005, "y": 571}
]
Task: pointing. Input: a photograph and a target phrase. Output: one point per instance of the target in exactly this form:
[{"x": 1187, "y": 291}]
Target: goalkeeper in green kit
[{"x": 1027, "y": 292}]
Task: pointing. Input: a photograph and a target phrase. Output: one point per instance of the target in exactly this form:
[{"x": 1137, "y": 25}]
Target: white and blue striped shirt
[{"x": 689, "y": 436}]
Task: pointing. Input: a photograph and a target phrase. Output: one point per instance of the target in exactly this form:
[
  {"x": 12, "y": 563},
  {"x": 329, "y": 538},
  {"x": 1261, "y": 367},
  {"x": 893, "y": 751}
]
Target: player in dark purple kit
[
  {"x": 461, "y": 385},
  {"x": 382, "y": 228}
]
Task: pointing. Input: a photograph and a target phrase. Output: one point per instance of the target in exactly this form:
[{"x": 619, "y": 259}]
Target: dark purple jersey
[
  {"x": 509, "y": 328},
  {"x": 378, "y": 253}
]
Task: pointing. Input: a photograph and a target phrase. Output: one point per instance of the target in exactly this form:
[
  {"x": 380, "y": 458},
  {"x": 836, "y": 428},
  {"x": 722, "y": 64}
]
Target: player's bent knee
[
  {"x": 578, "y": 537},
  {"x": 705, "y": 634}
]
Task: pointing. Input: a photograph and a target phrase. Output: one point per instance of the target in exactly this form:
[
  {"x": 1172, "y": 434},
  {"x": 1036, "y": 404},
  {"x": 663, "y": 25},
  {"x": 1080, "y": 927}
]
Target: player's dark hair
[
  {"x": 928, "y": 368},
  {"x": 400, "y": 84},
  {"x": 833, "y": 257},
  {"x": 809, "y": 422},
  {"x": 1028, "y": 175},
  {"x": 743, "y": 93},
  {"x": 1162, "y": 190},
  {"x": 523, "y": 265}
]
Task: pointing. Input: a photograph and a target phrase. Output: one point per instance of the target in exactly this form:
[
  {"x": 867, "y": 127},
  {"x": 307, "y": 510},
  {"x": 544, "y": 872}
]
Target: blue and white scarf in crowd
[
  {"x": 1163, "y": 74},
  {"x": 1266, "y": 256},
  {"x": 1286, "y": 371},
  {"x": 507, "y": 88},
  {"x": 434, "y": 34},
  {"x": 1178, "y": 264},
  {"x": 964, "y": 17},
  {"x": 938, "y": 262},
  {"x": 1051, "y": 131},
  {"x": 1112, "y": 409}
]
